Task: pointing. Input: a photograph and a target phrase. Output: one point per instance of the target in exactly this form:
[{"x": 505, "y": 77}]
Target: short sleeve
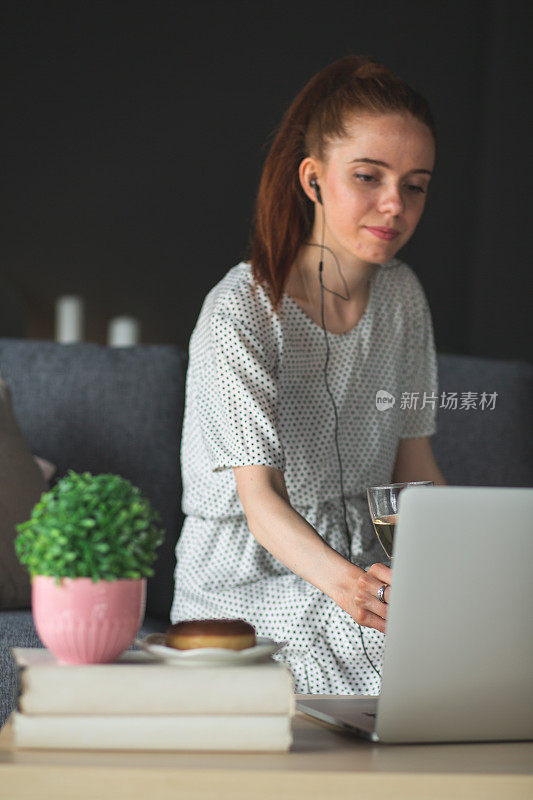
[
  {"x": 238, "y": 397},
  {"x": 419, "y": 400}
]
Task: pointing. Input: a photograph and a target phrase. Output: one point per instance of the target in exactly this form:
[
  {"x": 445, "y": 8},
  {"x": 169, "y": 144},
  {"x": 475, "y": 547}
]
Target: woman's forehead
[{"x": 396, "y": 134}]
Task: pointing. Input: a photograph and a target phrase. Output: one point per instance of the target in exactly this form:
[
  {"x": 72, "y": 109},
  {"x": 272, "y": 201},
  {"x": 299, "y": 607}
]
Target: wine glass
[{"x": 383, "y": 505}]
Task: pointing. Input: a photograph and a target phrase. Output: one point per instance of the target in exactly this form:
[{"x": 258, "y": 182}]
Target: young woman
[{"x": 277, "y": 528}]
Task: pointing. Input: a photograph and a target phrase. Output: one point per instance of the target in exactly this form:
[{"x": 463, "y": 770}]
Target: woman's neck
[{"x": 342, "y": 283}]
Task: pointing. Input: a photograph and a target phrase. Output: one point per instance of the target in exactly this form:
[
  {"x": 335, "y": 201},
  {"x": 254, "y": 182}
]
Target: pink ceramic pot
[{"x": 82, "y": 622}]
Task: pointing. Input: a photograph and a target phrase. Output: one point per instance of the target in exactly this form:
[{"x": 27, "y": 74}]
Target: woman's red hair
[{"x": 283, "y": 214}]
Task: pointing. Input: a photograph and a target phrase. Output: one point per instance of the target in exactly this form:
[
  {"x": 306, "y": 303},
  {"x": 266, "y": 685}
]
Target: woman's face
[{"x": 358, "y": 195}]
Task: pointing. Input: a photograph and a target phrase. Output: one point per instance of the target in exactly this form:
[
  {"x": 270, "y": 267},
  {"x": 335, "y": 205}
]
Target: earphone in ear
[{"x": 316, "y": 187}]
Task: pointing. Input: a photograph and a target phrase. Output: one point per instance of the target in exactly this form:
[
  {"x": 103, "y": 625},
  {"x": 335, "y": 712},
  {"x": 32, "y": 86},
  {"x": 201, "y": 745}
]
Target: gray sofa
[{"x": 90, "y": 407}]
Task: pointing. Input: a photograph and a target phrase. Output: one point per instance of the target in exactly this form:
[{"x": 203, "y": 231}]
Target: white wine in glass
[{"x": 383, "y": 505}]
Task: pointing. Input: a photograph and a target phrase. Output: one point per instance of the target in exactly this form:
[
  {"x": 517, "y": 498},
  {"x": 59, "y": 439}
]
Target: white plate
[{"x": 208, "y": 656}]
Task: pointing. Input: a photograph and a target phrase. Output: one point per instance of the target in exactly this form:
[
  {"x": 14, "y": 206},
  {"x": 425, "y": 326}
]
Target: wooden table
[{"x": 322, "y": 763}]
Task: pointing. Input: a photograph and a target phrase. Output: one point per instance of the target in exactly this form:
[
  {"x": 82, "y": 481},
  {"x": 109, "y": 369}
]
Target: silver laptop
[{"x": 458, "y": 659}]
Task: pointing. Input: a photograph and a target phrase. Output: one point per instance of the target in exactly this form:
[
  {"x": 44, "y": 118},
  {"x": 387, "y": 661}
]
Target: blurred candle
[
  {"x": 123, "y": 332},
  {"x": 69, "y": 319}
]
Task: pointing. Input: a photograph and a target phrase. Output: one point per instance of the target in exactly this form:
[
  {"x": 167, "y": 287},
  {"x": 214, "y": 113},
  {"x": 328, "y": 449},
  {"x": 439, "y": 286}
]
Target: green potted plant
[{"x": 89, "y": 546}]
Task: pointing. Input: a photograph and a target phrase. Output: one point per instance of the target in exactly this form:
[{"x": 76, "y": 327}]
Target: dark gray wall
[{"x": 135, "y": 134}]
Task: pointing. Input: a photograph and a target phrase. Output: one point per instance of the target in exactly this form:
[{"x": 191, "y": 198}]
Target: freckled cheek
[
  {"x": 413, "y": 217},
  {"x": 347, "y": 206}
]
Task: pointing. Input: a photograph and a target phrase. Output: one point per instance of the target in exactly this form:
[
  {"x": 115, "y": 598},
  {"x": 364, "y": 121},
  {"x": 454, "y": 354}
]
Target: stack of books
[{"x": 141, "y": 704}]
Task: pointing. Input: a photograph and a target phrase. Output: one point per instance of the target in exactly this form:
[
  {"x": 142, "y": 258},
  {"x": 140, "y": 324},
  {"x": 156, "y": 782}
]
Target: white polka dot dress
[{"x": 255, "y": 394}]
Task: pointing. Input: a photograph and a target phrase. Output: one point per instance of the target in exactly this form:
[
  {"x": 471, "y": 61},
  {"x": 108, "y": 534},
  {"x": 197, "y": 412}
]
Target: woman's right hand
[
  {"x": 289, "y": 537},
  {"x": 359, "y": 596}
]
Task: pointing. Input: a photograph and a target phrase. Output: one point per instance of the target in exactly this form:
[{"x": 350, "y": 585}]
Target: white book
[
  {"x": 266, "y": 732},
  {"x": 136, "y": 684}
]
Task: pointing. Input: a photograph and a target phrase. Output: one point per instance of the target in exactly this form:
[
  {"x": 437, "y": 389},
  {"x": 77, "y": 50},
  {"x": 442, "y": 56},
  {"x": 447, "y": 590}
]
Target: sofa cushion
[
  {"x": 105, "y": 409},
  {"x": 21, "y": 485},
  {"x": 490, "y": 446}
]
